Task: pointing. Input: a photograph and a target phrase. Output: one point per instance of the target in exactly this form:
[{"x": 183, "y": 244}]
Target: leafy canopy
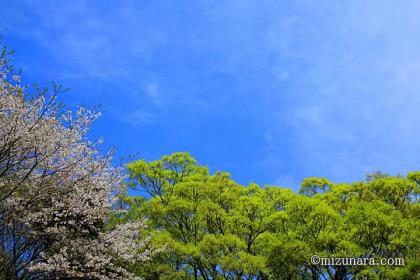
[{"x": 215, "y": 228}]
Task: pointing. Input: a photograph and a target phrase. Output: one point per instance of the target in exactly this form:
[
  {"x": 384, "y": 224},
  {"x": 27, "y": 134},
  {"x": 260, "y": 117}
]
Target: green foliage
[{"x": 214, "y": 228}]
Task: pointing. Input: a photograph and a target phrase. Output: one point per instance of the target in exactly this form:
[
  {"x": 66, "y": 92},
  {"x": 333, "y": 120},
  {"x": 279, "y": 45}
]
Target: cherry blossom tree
[{"x": 57, "y": 191}]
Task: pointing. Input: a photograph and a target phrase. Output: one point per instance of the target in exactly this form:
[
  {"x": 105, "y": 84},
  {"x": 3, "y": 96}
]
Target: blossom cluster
[{"x": 56, "y": 192}]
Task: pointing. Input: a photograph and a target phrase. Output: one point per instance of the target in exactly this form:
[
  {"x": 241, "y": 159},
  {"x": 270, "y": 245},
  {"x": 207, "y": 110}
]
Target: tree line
[
  {"x": 65, "y": 212},
  {"x": 215, "y": 228}
]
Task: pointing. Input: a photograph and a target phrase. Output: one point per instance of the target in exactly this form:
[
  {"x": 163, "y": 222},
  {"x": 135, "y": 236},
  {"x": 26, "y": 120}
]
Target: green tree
[{"x": 214, "y": 228}]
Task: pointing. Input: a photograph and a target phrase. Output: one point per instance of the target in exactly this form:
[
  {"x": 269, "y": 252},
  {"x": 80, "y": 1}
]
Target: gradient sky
[{"x": 270, "y": 91}]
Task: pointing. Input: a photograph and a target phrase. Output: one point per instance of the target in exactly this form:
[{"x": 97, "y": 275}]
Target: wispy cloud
[
  {"x": 329, "y": 88},
  {"x": 153, "y": 92},
  {"x": 137, "y": 118},
  {"x": 353, "y": 104}
]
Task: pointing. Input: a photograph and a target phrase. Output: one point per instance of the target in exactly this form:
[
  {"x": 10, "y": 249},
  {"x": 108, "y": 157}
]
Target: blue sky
[{"x": 271, "y": 91}]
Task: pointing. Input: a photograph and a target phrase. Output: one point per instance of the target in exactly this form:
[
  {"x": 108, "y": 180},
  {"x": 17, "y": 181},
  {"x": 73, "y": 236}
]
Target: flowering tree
[{"x": 56, "y": 192}]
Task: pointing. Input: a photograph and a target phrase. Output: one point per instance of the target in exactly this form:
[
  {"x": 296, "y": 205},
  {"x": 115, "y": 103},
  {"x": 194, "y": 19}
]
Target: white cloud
[
  {"x": 138, "y": 118},
  {"x": 335, "y": 84},
  {"x": 350, "y": 102},
  {"x": 153, "y": 92}
]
